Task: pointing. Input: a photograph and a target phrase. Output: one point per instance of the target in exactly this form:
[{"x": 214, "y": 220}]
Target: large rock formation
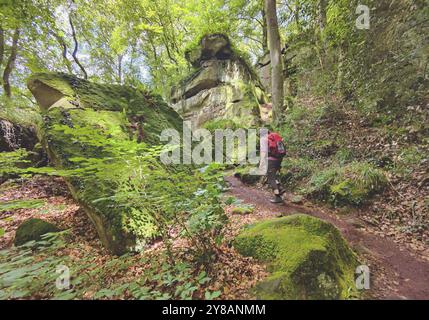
[
  {"x": 84, "y": 121},
  {"x": 307, "y": 257},
  {"x": 222, "y": 87}
]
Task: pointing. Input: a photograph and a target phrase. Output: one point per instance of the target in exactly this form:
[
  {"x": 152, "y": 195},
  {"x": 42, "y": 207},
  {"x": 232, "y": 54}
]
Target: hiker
[{"x": 276, "y": 152}]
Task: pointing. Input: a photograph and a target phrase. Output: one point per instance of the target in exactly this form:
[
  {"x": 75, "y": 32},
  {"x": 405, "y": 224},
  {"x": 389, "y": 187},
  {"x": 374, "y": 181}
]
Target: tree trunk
[
  {"x": 322, "y": 25},
  {"x": 264, "y": 32},
  {"x": 322, "y": 14},
  {"x": 10, "y": 64},
  {"x": 120, "y": 56},
  {"x": 296, "y": 11},
  {"x": 340, "y": 71},
  {"x": 63, "y": 44},
  {"x": 1, "y": 45},
  {"x": 276, "y": 61}
]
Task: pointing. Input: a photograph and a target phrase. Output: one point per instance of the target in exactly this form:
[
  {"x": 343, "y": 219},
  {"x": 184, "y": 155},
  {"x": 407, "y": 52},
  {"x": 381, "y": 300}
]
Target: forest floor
[{"x": 397, "y": 272}]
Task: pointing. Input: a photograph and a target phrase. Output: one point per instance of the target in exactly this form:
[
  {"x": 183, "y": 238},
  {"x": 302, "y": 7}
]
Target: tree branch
[
  {"x": 63, "y": 44},
  {"x": 76, "y": 46}
]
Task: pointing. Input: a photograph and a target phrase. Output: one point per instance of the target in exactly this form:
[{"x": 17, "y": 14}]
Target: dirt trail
[{"x": 395, "y": 272}]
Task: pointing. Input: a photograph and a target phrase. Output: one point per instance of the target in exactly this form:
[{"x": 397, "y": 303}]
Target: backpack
[{"x": 276, "y": 147}]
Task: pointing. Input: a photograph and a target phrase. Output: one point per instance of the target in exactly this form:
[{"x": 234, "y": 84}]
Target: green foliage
[
  {"x": 21, "y": 204},
  {"x": 220, "y": 124},
  {"x": 352, "y": 184},
  {"x": 11, "y": 161},
  {"x": 407, "y": 159},
  {"x": 30, "y": 271},
  {"x": 18, "y": 111},
  {"x": 296, "y": 169}
]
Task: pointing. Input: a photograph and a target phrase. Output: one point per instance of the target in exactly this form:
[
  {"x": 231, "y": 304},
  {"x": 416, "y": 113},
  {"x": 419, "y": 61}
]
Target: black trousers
[{"x": 272, "y": 173}]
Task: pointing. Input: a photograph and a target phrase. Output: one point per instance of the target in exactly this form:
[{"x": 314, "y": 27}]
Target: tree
[
  {"x": 10, "y": 63},
  {"x": 1, "y": 45},
  {"x": 276, "y": 61}
]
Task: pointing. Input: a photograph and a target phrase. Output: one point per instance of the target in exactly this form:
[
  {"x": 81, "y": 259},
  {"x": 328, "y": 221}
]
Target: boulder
[
  {"x": 211, "y": 47},
  {"x": 307, "y": 258},
  {"x": 89, "y": 121},
  {"x": 32, "y": 230},
  {"x": 222, "y": 87}
]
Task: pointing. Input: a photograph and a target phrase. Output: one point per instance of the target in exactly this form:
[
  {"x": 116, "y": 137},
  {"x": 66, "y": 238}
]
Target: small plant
[
  {"x": 30, "y": 271},
  {"x": 222, "y": 124},
  {"x": 21, "y": 204}
]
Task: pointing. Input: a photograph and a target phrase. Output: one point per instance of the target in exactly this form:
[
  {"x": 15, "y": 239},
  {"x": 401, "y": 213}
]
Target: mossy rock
[
  {"x": 32, "y": 230},
  {"x": 307, "y": 258},
  {"x": 245, "y": 176},
  {"x": 243, "y": 210},
  {"x": 85, "y": 122},
  {"x": 352, "y": 184}
]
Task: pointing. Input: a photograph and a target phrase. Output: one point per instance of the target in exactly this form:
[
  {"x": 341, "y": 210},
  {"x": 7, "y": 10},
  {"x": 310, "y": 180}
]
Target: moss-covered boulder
[
  {"x": 32, "y": 230},
  {"x": 352, "y": 184},
  {"x": 223, "y": 85},
  {"x": 307, "y": 258},
  {"x": 87, "y": 124}
]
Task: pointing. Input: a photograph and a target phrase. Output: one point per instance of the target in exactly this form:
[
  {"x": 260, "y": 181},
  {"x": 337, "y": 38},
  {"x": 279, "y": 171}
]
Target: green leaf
[{"x": 212, "y": 295}]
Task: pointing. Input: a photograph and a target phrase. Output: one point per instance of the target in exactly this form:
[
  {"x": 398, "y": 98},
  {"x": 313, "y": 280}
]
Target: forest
[{"x": 136, "y": 155}]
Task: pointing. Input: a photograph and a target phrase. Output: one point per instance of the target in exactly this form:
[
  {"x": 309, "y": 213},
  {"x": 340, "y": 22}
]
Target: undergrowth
[{"x": 44, "y": 270}]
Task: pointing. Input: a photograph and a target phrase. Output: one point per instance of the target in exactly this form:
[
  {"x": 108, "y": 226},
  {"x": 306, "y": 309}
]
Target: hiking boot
[{"x": 277, "y": 199}]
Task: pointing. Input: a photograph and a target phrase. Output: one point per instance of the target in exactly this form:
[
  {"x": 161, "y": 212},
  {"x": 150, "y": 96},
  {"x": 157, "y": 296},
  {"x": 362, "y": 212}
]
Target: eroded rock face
[
  {"x": 14, "y": 136},
  {"x": 263, "y": 69},
  {"x": 307, "y": 258},
  {"x": 222, "y": 87},
  {"x": 87, "y": 121}
]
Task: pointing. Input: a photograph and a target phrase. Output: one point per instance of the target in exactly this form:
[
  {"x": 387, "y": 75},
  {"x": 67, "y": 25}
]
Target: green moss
[
  {"x": 242, "y": 209},
  {"x": 90, "y": 126},
  {"x": 32, "y": 230},
  {"x": 308, "y": 258},
  {"x": 156, "y": 115},
  {"x": 352, "y": 184}
]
